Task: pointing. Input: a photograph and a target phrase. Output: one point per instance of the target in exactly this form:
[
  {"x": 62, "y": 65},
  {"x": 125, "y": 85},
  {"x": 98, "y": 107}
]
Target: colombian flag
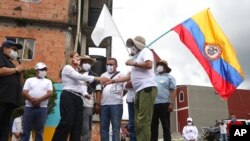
[{"x": 204, "y": 38}]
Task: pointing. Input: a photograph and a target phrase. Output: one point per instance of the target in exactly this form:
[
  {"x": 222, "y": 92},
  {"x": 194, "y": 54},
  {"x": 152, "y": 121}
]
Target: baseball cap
[
  {"x": 9, "y": 43},
  {"x": 40, "y": 65}
]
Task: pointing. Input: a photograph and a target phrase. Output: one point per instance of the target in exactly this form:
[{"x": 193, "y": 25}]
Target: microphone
[{"x": 18, "y": 60}]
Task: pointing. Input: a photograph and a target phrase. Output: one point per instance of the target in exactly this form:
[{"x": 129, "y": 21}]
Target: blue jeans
[
  {"x": 34, "y": 118},
  {"x": 223, "y": 137},
  {"x": 131, "y": 121},
  {"x": 110, "y": 114}
]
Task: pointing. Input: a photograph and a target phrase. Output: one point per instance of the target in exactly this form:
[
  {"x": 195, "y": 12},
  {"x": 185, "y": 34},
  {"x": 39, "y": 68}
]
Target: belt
[{"x": 73, "y": 92}]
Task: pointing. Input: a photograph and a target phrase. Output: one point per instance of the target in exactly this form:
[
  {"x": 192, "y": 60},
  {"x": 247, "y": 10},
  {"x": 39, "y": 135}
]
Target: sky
[{"x": 152, "y": 18}]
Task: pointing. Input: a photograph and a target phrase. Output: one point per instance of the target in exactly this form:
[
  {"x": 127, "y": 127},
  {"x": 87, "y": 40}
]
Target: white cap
[
  {"x": 189, "y": 119},
  {"x": 40, "y": 65}
]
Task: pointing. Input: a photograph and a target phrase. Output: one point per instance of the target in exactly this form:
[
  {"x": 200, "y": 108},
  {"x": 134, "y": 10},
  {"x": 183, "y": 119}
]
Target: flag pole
[
  {"x": 159, "y": 37},
  {"x": 147, "y": 46}
]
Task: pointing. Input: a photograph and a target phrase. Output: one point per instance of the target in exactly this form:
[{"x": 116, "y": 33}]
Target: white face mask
[
  {"x": 42, "y": 74},
  {"x": 160, "y": 69},
  {"x": 13, "y": 54},
  {"x": 109, "y": 68},
  {"x": 133, "y": 51},
  {"x": 189, "y": 123},
  {"x": 86, "y": 66}
]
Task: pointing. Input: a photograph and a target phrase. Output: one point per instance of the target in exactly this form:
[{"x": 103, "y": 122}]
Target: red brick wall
[
  {"x": 238, "y": 104},
  {"x": 49, "y": 46},
  {"x": 54, "y": 10},
  {"x": 182, "y": 118}
]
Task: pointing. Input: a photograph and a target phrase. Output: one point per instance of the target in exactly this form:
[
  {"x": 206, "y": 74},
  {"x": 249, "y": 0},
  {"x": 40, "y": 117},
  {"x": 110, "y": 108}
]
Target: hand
[
  {"x": 130, "y": 63},
  {"x": 97, "y": 108},
  {"x": 87, "y": 96},
  {"x": 103, "y": 80},
  {"x": 171, "y": 107},
  {"x": 109, "y": 81},
  {"x": 20, "y": 68},
  {"x": 35, "y": 101},
  {"x": 129, "y": 84}
]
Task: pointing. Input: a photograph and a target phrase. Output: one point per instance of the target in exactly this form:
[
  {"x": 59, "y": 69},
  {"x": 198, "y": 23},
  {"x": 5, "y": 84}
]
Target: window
[
  {"x": 27, "y": 53},
  {"x": 181, "y": 96},
  {"x": 34, "y": 1}
]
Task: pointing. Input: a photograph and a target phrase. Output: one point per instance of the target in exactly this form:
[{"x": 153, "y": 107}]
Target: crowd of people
[{"x": 150, "y": 89}]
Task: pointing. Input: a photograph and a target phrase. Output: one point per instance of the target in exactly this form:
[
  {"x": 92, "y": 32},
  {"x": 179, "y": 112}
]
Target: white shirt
[
  {"x": 190, "y": 132},
  {"x": 223, "y": 129},
  {"x": 112, "y": 94},
  {"x": 142, "y": 78},
  {"x": 37, "y": 87},
  {"x": 130, "y": 95},
  {"x": 17, "y": 127},
  {"x": 72, "y": 80},
  {"x": 89, "y": 102}
]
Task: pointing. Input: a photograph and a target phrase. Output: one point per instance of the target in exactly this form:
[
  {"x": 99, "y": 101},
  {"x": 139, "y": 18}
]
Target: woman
[
  {"x": 190, "y": 131},
  {"x": 71, "y": 110}
]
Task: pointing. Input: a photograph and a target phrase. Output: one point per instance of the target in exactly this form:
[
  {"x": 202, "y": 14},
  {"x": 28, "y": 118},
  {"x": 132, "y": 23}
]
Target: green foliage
[{"x": 52, "y": 101}]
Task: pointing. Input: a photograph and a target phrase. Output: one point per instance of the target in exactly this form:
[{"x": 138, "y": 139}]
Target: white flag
[{"x": 105, "y": 27}]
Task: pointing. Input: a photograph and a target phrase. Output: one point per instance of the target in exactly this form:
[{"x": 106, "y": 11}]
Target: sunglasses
[{"x": 43, "y": 69}]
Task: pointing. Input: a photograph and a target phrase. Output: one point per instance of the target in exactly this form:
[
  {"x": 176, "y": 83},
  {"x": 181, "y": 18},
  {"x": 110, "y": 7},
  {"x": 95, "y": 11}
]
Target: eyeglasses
[{"x": 110, "y": 64}]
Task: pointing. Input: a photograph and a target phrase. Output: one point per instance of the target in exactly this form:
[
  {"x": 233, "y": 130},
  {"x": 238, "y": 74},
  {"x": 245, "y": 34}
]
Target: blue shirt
[{"x": 165, "y": 83}]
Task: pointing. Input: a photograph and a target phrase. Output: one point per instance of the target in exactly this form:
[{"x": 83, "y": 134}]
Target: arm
[
  {"x": 196, "y": 133},
  {"x": 121, "y": 79},
  {"x": 48, "y": 95},
  {"x": 70, "y": 72},
  {"x": 4, "y": 71},
  {"x": 148, "y": 64},
  {"x": 184, "y": 133},
  {"x": 97, "y": 104},
  {"x": 15, "y": 131},
  {"x": 172, "y": 100}
]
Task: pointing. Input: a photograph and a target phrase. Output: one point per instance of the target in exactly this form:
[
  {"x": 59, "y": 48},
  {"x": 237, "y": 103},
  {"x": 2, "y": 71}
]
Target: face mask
[
  {"x": 76, "y": 62},
  {"x": 133, "y": 51},
  {"x": 109, "y": 69},
  {"x": 86, "y": 66},
  {"x": 42, "y": 74},
  {"x": 159, "y": 69},
  {"x": 189, "y": 123},
  {"x": 233, "y": 119},
  {"x": 13, "y": 54}
]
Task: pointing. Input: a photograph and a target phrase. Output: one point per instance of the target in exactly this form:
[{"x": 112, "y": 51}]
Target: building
[
  {"x": 49, "y": 28},
  {"x": 205, "y": 106}
]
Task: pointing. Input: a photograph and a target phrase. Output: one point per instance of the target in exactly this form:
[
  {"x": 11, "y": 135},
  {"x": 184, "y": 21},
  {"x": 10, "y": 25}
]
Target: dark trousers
[
  {"x": 5, "y": 120},
  {"x": 71, "y": 111},
  {"x": 161, "y": 113}
]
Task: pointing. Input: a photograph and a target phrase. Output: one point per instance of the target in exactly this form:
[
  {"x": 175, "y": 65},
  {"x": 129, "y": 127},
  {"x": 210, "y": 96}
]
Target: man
[
  {"x": 10, "y": 85},
  {"x": 164, "y": 102},
  {"x": 233, "y": 121},
  {"x": 131, "y": 110},
  {"x": 89, "y": 100},
  {"x": 111, "y": 103},
  {"x": 37, "y": 91},
  {"x": 142, "y": 78}
]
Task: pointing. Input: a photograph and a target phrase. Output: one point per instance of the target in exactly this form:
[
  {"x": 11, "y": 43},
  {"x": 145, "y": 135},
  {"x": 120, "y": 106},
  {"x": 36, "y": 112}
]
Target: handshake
[{"x": 104, "y": 80}]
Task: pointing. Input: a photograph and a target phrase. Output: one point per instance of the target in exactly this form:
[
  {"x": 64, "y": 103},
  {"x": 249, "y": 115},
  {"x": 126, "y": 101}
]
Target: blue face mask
[{"x": 233, "y": 119}]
